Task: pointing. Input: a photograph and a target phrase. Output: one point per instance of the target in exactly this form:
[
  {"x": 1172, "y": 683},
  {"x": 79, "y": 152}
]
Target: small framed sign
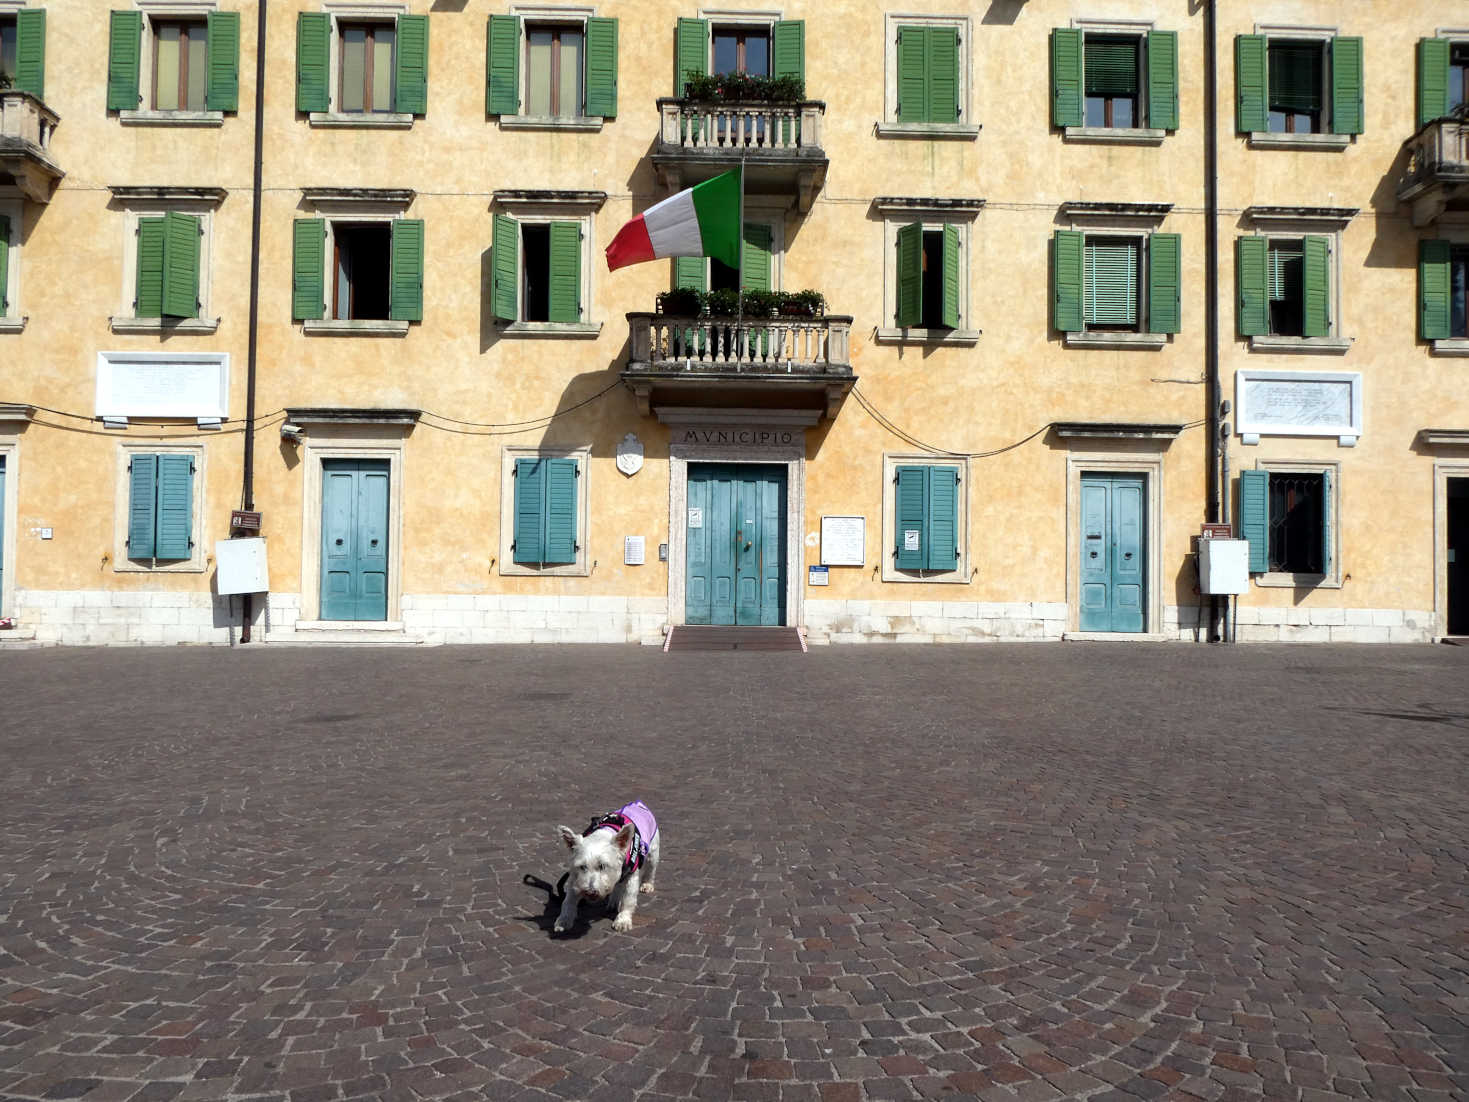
[
  {"x": 844, "y": 541},
  {"x": 633, "y": 550},
  {"x": 817, "y": 575}
]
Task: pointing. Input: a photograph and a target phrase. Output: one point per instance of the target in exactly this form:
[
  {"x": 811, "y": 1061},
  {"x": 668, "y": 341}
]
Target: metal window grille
[{"x": 1296, "y": 536}]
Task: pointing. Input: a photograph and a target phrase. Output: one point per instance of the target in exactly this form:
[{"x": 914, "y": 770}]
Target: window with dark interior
[
  {"x": 7, "y": 47},
  {"x": 1459, "y": 291},
  {"x": 366, "y": 67},
  {"x": 741, "y": 50},
  {"x": 535, "y": 254},
  {"x": 1111, "y": 71},
  {"x": 363, "y": 251},
  {"x": 1297, "y": 516},
  {"x": 1296, "y": 86},
  {"x": 1287, "y": 288},
  {"x": 1458, "y": 75}
]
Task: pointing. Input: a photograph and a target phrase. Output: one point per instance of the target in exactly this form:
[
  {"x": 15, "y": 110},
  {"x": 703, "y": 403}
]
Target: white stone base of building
[{"x": 98, "y": 617}]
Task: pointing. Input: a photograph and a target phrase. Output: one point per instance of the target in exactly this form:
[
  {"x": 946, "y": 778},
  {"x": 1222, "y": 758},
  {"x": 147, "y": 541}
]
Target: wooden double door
[{"x": 736, "y": 533}]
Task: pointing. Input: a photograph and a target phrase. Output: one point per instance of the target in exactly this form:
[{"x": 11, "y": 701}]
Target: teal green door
[
  {"x": 1113, "y": 553},
  {"x": 735, "y": 572},
  {"x": 354, "y": 539}
]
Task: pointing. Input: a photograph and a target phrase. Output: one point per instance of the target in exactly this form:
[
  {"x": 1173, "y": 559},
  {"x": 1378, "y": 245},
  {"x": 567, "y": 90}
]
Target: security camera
[{"x": 291, "y": 432}]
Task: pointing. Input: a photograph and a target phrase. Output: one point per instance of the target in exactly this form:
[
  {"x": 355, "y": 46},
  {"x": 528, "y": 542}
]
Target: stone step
[{"x": 688, "y": 637}]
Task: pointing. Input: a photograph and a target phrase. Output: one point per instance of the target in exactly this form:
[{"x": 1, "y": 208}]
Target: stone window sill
[
  {"x": 1297, "y": 581},
  {"x": 551, "y": 329},
  {"x": 952, "y": 131},
  {"x": 963, "y": 337},
  {"x": 13, "y": 325},
  {"x": 1456, "y": 346},
  {"x": 1267, "y": 139},
  {"x": 589, "y": 123},
  {"x": 1115, "y": 340},
  {"x": 923, "y": 577},
  {"x": 1327, "y": 346},
  {"x": 578, "y": 569},
  {"x": 365, "y": 121},
  {"x": 194, "y": 326},
  {"x": 171, "y": 118},
  {"x": 1115, "y": 135},
  {"x": 140, "y": 566},
  {"x": 346, "y": 327}
]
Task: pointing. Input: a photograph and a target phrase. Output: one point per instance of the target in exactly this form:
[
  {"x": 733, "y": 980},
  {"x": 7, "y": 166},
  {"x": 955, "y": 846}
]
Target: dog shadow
[{"x": 546, "y": 920}]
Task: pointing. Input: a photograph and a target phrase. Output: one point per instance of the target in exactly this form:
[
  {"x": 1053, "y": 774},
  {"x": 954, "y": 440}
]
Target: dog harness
[{"x": 644, "y": 825}]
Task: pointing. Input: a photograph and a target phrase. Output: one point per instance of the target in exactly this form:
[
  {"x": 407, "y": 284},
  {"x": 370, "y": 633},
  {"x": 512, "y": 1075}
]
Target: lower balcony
[
  {"x": 1437, "y": 178},
  {"x": 781, "y": 362},
  {"x": 26, "y": 126}
]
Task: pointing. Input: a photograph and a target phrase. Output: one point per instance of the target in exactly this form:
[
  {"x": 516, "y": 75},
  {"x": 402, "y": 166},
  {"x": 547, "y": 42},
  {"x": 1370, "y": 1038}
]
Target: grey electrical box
[
  {"x": 241, "y": 566},
  {"x": 1224, "y": 566}
]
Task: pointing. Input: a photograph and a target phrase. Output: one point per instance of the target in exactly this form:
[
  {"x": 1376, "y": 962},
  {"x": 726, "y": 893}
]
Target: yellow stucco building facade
[{"x": 1047, "y": 352}]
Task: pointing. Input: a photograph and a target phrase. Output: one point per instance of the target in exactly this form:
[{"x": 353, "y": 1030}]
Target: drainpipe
[
  {"x": 247, "y": 490},
  {"x": 1211, "y": 280}
]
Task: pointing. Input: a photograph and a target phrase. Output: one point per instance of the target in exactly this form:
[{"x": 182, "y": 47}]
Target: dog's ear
[
  {"x": 623, "y": 838},
  {"x": 569, "y": 836}
]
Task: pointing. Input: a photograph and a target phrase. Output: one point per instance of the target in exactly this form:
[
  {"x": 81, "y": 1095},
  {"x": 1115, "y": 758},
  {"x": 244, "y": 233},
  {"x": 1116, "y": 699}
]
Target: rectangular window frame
[
  {"x": 543, "y": 209},
  {"x": 934, "y": 215},
  {"x": 1140, "y": 242},
  {"x": 1456, "y": 233},
  {"x": 1324, "y": 137},
  {"x": 1139, "y": 133},
  {"x": 960, "y": 574},
  {"x": 1139, "y": 222},
  {"x": 542, "y": 15},
  {"x": 370, "y": 28},
  {"x": 12, "y": 320},
  {"x": 167, "y": 11},
  {"x": 330, "y": 321},
  {"x": 1331, "y": 579},
  {"x": 125, "y": 320},
  {"x": 889, "y": 126},
  {"x": 582, "y": 454},
  {"x": 1334, "y": 342},
  {"x": 352, "y": 12},
  {"x": 8, "y": 20},
  {"x": 189, "y": 29},
  {"x": 197, "y": 562}
]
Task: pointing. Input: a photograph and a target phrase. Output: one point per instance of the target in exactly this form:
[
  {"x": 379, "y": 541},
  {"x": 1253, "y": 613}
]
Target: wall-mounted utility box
[
  {"x": 1224, "y": 566},
  {"x": 241, "y": 566}
]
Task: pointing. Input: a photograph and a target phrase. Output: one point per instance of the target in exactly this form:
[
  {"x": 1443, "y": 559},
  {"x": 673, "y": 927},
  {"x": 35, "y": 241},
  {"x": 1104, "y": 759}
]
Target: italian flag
[{"x": 703, "y": 220}]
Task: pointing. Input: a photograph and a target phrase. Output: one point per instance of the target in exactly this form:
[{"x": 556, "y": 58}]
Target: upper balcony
[
  {"x": 778, "y": 143},
  {"x": 1437, "y": 177},
  {"x": 26, "y": 126}
]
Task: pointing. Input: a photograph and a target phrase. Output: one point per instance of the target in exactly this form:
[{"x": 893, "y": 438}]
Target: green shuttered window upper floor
[
  {"x": 1278, "y": 76},
  {"x": 546, "y": 507},
  {"x": 125, "y": 60},
  {"x": 928, "y": 74},
  {"x": 168, "y": 250},
  {"x": 316, "y": 37},
  {"x": 30, "y": 52},
  {"x": 1115, "y": 281},
  {"x": 160, "y": 506},
  {"x": 1086, "y": 64},
  {"x": 404, "y": 262},
  {"x": 505, "y": 49},
  {"x": 1290, "y": 272},
  {"x": 563, "y": 246}
]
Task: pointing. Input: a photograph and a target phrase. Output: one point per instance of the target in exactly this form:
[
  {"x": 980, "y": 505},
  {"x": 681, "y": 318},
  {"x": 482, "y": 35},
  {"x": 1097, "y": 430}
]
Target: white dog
[{"x": 614, "y": 859}]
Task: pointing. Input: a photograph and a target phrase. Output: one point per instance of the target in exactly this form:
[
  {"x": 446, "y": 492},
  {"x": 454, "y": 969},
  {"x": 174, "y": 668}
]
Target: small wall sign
[
  {"x": 696, "y": 517},
  {"x": 910, "y": 539},
  {"x": 633, "y": 550},
  {"x": 843, "y": 541},
  {"x": 817, "y": 575}
]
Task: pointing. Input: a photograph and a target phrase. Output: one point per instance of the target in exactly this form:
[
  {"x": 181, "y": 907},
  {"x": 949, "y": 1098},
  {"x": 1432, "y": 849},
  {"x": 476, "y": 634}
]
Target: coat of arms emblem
[{"x": 630, "y": 455}]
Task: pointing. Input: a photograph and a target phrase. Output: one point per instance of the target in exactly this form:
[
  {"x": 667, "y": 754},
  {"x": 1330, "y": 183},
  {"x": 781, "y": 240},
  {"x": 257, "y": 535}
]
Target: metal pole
[
  {"x": 1211, "y": 278},
  {"x": 247, "y": 490}
]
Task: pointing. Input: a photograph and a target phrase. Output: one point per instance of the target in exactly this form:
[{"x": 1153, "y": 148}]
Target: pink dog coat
[{"x": 645, "y": 829}]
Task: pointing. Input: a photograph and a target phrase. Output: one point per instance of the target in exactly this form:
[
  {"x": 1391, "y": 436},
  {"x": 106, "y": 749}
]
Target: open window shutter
[
  {"x": 1433, "y": 79},
  {"x": 30, "y": 51},
  {"x": 151, "y": 238},
  {"x": 565, "y": 283},
  {"x": 530, "y": 501},
  {"x": 913, "y": 87},
  {"x": 124, "y": 49},
  {"x": 410, "y": 91},
  {"x": 1346, "y": 85},
  {"x": 4, "y": 265},
  {"x": 1252, "y": 284},
  {"x": 691, "y": 51},
  {"x": 502, "y": 65},
  {"x": 1163, "y": 80},
  {"x": 308, "y": 270},
  {"x": 910, "y": 276},
  {"x": 222, "y": 40},
  {"x": 910, "y": 501},
  {"x": 943, "y": 518},
  {"x": 1164, "y": 277},
  {"x": 788, "y": 49},
  {"x": 952, "y": 276},
  {"x": 505, "y": 288},
  {"x": 175, "y": 507},
  {"x": 602, "y": 68},
  {"x": 313, "y": 51},
  {"x": 1066, "y": 309},
  {"x": 1249, "y": 80},
  {"x": 689, "y": 272},
  {"x": 1326, "y": 540},
  {"x": 1066, "y": 105},
  {"x": 1433, "y": 290},
  {"x": 180, "y": 265},
  {"x": 405, "y": 290},
  {"x": 1316, "y": 278},
  {"x": 560, "y": 544},
  {"x": 142, "y": 505},
  {"x": 1254, "y": 517},
  {"x": 943, "y": 74},
  {"x": 755, "y": 264}
]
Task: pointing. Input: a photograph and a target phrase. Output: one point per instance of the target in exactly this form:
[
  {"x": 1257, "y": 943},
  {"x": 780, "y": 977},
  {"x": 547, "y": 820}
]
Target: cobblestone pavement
[{"x": 988, "y": 872}]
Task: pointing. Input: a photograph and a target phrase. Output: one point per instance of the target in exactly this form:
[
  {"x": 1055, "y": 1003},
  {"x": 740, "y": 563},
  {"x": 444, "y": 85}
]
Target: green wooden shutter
[
  {"x": 910, "y": 276},
  {"x": 142, "y": 505},
  {"x": 148, "y": 302},
  {"x": 30, "y": 51},
  {"x": 405, "y": 287},
  {"x": 1249, "y": 80},
  {"x": 1316, "y": 278},
  {"x": 530, "y": 499},
  {"x": 1346, "y": 85},
  {"x": 4, "y": 266},
  {"x": 308, "y": 270},
  {"x": 1066, "y": 308},
  {"x": 502, "y": 65},
  {"x": 952, "y": 276},
  {"x": 1163, "y": 80},
  {"x": 1066, "y": 105},
  {"x": 124, "y": 50},
  {"x": 913, "y": 85},
  {"x": 560, "y": 512},
  {"x": 943, "y": 518},
  {"x": 410, "y": 77},
  {"x": 1251, "y": 266},
  {"x": 1164, "y": 279},
  {"x": 689, "y": 271},
  {"x": 1109, "y": 282},
  {"x": 1326, "y": 540},
  {"x": 788, "y": 49},
  {"x": 1433, "y": 79},
  {"x": 222, "y": 39},
  {"x": 910, "y": 506},
  {"x": 1433, "y": 289},
  {"x": 601, "y": 77},
  {"x": 943, "y": 74},
  {"x": 175, "y": 523},
  {"x": 690, "y": 52},
  {"x": 755, "y": 264},
  {"x": 313, "y": 60},
  {"x": 505, "y": 287},
  {"x": 565, "y": 277},
  {"x": 1254, "y": 517},
  {"x": 180, "y": 276}
]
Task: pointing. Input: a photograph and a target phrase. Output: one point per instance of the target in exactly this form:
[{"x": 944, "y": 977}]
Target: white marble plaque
[
  {"x": 844, "y": 541},
  {"x": 1299, "y": 403},
  {"x": 162, "y": 384}
]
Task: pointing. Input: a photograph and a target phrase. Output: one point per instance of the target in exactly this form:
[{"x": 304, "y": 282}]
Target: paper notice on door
[
  {"x": 696, "y": 518},
  {"x": 910, "y": 539}
]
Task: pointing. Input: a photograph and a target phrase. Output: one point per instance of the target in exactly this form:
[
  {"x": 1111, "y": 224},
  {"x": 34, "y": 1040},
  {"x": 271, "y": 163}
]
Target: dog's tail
[{"x": 556, "y": 894}]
